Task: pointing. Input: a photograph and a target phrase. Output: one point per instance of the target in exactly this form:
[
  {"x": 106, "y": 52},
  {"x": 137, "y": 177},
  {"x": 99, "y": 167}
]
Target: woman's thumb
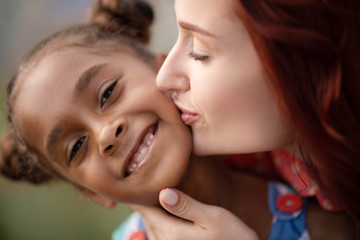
[{"x": 180, "y": 204}]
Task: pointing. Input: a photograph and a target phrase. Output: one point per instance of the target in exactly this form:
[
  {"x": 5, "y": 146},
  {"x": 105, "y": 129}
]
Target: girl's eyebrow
[
  {"x": 55, "y": 134},
  {"x": 81, "y": 85},
  {"x": 194, "y": 28},
  {"x": 86, "y": 78}
]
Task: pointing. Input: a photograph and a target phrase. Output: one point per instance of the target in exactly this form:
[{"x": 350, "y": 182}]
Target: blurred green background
[{"x": 55, "y": 211}]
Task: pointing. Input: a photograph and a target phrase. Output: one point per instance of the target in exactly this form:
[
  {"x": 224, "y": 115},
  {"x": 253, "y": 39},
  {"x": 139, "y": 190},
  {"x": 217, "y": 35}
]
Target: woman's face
[
  {"x": 216, "y": 80},
  {"x": 104, "y": 124}
]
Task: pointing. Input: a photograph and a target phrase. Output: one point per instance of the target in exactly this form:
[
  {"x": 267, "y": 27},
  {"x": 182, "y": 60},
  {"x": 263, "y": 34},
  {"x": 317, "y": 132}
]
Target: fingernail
[{"x": 170, "y": 196}]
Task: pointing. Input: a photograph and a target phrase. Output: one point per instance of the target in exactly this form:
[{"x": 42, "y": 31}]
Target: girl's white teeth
[
  {"x": 142, "y": 152},
  {"x": 144, "y": 146}
]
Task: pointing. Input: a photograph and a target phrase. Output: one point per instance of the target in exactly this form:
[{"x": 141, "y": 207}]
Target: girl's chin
[{"x": 147, "y": 201}]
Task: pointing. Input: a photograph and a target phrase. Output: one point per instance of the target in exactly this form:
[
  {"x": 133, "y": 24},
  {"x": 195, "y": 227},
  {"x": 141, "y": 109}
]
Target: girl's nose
[{"x": 109, "y": 137}]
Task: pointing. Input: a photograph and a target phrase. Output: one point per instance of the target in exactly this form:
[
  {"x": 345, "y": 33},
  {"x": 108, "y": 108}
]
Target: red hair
[{"x": 310, "y": 51}]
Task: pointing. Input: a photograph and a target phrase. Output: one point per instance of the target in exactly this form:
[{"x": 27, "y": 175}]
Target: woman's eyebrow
[
  {"x": 86, "y": 77},
  {"x": 194, "y": 28}
]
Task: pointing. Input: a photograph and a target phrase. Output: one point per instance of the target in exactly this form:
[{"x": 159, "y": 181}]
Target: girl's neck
[
  {"x": 210, "y": 181},
  {"x": 207, "y": 180}
]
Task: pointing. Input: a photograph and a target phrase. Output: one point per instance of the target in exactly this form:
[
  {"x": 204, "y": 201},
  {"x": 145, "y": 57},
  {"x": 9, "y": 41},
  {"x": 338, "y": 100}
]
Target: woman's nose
[
  {"x": 172, "y": 76},
  {"x": 109, "y": 137}
]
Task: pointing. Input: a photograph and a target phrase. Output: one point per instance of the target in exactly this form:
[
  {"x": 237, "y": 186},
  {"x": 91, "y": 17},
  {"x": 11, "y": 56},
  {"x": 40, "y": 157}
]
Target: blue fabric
[
  {"x": 131, "y": 225},
  {"x": 287, "y": 226}
]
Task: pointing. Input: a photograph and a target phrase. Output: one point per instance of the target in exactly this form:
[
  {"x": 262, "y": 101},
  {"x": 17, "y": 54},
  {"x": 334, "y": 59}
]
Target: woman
[{"x": 278, "y": 76}]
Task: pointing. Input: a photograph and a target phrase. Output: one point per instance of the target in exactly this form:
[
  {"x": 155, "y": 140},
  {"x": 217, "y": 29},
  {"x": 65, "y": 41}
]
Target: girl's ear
[
  {"x": 104, "y": 201},
  {"x": 160, "y": 58}
]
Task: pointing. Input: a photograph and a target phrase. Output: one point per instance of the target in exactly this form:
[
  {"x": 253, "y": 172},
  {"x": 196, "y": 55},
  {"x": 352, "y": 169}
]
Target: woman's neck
[
  {"x": 210, "y": 181},
  {"x": 294, "y": 150}
]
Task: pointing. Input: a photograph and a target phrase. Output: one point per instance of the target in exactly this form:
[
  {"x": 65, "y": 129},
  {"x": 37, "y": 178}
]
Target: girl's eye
[
  {"x": 107, "y": 93},
  {"x": 75, "y": 149},
  {"x": 198, "y": 57}
]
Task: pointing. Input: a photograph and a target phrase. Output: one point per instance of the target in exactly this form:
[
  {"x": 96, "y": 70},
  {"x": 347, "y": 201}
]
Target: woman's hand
[{"x": 194, "y": 220}]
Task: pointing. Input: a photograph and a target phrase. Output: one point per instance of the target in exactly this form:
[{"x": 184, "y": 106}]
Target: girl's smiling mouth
[{"x": 142, "y": 148}]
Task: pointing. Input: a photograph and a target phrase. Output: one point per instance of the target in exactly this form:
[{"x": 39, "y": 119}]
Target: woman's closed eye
[
  {"x": 107, "y": 93},
  {"x": 76, "y": 148},
  {"x": 198, "y": 57}
]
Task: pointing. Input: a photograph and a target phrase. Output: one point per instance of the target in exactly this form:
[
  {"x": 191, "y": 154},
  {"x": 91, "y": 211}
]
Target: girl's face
[
  {"x": 103, "y": 124},
  {"x": 215, "y": 78}
]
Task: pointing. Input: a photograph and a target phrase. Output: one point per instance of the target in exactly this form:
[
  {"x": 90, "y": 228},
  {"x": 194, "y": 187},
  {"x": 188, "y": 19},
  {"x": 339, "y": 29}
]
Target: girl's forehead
[
  {"x": 46, "y": 88},
  {"x": 57, "y": 72},
  {"x": 66, "y": 65}
]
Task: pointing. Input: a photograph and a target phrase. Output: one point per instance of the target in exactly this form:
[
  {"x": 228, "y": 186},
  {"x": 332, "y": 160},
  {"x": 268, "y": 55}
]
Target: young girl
[
  {"x": 84, "y": 108},
  {"x": 279, "y": 76}
]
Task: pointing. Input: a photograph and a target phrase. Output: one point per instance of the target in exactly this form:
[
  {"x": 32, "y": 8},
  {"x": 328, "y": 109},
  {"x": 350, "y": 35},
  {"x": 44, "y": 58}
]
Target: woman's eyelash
[
  {"x": 198, "y": 57},
  {"x": 75, "y": 149},
  {"x": 107, "y": 93}
]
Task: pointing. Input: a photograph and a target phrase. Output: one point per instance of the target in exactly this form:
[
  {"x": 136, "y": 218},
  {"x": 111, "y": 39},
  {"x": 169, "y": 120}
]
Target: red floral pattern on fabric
[
  {"x": 282, "y": 166},
  {"x": 260, "y": 164},
  {"x": 295, "y": 173}
]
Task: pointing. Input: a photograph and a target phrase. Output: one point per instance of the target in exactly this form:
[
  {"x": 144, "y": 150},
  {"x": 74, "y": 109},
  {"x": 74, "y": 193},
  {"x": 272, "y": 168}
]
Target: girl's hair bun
[
  {"x": 18, "y": 164},
  {"x": 130, "y": 18}
]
